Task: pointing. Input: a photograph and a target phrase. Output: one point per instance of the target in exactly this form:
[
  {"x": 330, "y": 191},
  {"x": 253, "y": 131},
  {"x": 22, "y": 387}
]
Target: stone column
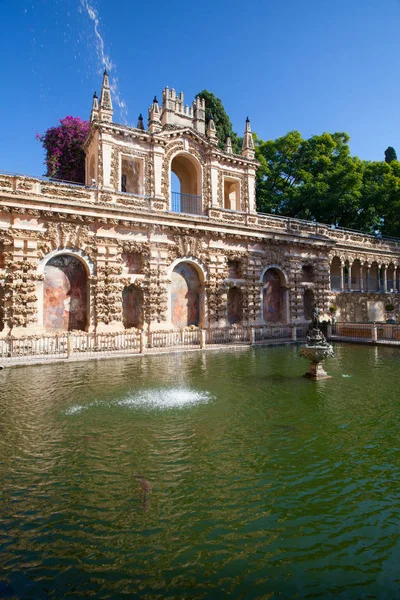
[
  {"x": 394, "y": 279},
  {"x": 361, "y": 278},
  {"x": 341, "y": 277},
  {"x": 384, "y": 279},
  {"x": 367, "y": 277},
  {"x": 349, "y": 281}
]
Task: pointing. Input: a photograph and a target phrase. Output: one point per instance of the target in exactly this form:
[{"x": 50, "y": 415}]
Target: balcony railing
[{"x": 186, "y": 203}]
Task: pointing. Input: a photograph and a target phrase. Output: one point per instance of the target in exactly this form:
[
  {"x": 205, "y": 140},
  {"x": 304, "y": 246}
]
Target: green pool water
[{"x": 264, "y": 484}]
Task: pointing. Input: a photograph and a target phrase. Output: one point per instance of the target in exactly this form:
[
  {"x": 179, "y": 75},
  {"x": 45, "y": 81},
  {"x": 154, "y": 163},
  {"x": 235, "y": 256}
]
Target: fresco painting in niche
[
  {"x": 132, "y": 306},
  {"x": 272, "y": 297},
  {"x": 65, "y": 294},
  {"x": 185, "y": 296},
  {"x": 235, "y": 305}
]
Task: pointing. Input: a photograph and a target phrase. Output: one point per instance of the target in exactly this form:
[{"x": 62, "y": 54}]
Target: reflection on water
[{"x": 223, "y": 474}]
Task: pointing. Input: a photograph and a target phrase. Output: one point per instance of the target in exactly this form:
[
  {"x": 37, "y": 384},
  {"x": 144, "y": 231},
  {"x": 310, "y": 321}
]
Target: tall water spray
[{"x": 105, "y": 60}]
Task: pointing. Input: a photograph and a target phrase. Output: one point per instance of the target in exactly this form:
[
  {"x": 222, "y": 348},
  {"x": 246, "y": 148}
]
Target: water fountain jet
[{"x": 316, "y": 349}]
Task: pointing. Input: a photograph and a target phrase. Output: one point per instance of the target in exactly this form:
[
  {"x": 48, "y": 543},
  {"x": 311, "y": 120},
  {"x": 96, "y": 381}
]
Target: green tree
[
  {"x": 313, "y": 179},
  {"x": 223, "y": 125},
  {"x": 380, "y": 197},
  {"x": 390, "y": 154}
]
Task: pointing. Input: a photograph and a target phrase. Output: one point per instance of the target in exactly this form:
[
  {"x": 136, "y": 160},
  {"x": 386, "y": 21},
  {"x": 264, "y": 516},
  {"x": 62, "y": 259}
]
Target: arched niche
[
  {"x": 274, "y": 296},
  {"x": 308, "y": 304},
  {"x": 186, "y": 186},
  {"x": 132, "y": 307},
  {"x": 187, "y": 296},
  {"x": 336, "y": 274},
  {"x": 65, "y": 294},
  {"x": 235, "y": 305}
]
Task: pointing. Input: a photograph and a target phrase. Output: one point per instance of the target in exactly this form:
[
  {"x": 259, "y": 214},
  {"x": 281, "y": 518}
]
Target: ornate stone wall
[{"x": 39, "y": 222}]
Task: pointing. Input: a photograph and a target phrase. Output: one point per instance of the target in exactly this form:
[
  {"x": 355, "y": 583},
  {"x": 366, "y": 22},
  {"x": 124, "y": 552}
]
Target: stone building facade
[{"x": 126, "y": 251}]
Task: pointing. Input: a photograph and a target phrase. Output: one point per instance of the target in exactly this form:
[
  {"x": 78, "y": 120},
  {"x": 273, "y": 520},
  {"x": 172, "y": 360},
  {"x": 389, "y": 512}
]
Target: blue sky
[{"x": 310, "y": 65}]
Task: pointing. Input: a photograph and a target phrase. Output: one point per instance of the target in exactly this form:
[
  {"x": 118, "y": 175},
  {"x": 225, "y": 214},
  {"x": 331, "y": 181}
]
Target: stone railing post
[
  {"x": 374, "y": 333},
  {"x": 70, "y": 346},
  {"x": 142, "y": 342},
  {"x": 252, "y": 336},
  {"x": 294, "y": 332},
  {"x": 10, "y": 346},
  {"x": 202, "y": 339},
  {"x": 329, "y": 331}
]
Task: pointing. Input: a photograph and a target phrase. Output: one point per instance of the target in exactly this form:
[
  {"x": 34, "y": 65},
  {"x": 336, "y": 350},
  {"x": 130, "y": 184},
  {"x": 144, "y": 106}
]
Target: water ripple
[{"x": 262, "y": 485}]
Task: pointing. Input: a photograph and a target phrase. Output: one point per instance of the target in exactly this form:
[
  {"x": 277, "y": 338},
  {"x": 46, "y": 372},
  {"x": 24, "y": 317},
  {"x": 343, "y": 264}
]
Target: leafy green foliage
[
  {"x": 318, "y": 179},
  {"x": 390, "y": 154},
  {"x": 309, "y": 179},
  {"x": 223, "y": 125}
]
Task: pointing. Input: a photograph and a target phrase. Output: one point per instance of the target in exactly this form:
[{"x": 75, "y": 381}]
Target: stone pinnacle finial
[
  {"x": 95, "y": 108},
  {"x": 155, "y": 116},
  {"x": 106, "y": 107},
  {"x": 140, "y": 122},
  {"x": 211, "y": 131},
  {"x": 248, "y": 143},
  {"x": 228, "y": 145}
]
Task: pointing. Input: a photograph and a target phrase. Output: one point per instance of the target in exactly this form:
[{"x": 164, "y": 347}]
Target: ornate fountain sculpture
[{"x": 316, "y": 349}]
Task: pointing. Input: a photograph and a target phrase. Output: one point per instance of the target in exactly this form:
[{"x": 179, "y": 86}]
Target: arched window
[
  {"x": 186, "y": 185},
  {"x": 65, "y": 294},
  {"x": 336, "y": 275},
  {"x": 186, "y": 296},
  {"x": 235, "y": 305},
  {"x": 132, "y": 307},
  {"x": 274, "y": 296},
  {"x": 374, "y": 278}
]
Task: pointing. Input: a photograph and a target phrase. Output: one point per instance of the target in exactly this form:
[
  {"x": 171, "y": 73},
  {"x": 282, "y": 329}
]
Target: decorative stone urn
[{"x": 316, "y": 349}]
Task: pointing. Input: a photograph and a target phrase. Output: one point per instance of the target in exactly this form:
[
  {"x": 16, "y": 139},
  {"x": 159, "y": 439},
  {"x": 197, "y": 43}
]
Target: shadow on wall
[
  {"x": 274, "y": 296},
  {"x": 132, "y": 307}
]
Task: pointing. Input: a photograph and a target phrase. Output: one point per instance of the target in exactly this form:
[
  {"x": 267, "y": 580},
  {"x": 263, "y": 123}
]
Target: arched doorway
[
  {"x": 308, "y": 304},
  {"x": 65, "y": 294},
  {"x": 186, "y": 296},
  {"x": 132, "y": 307},
  {"x": 235, "y": 305},
  {"x": 186, "y": 185},
  {"x": 274, "y": 296}
]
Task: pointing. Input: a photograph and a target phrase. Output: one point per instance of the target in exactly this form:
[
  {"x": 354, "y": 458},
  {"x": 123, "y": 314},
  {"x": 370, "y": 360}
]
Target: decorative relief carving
[{"x": 63, "y": 235}]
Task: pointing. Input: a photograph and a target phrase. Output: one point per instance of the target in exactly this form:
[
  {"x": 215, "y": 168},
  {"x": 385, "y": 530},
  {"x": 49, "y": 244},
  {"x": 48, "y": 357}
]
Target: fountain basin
[{"x": 316, "y": 354}]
